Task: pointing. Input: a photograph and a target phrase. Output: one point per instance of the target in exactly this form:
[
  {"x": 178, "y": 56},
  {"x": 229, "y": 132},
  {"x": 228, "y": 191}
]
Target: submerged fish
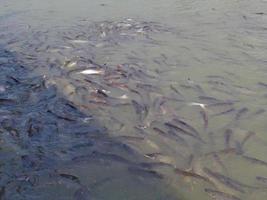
[
  {"x": 205, "y": 118},
  {"x": 70, "y": 177},
  {"x": 241, "y": 112},
  {"x": 262, "y": 179},
  {"x": 186, "y": 126},
  {"x": 247, "y": 137},
  {"x": 227, "y": 181},
  {"x": 191, "y": 174},
  {"x": 227, "y": 136},
  {"x": 145, "y": 173},
  {"x": 255, "y": 160},
  {"x": 218, "y": 195},
  {"x": 181, "y": 130}
]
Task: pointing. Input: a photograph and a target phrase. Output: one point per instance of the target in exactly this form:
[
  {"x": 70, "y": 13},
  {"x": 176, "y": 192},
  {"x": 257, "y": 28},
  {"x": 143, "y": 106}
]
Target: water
[{"x": 175, "y": 109}]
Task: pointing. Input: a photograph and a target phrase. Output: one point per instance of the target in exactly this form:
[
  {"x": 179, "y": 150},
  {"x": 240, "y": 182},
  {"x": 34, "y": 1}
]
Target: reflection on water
[{"x": 166, "y": 106}]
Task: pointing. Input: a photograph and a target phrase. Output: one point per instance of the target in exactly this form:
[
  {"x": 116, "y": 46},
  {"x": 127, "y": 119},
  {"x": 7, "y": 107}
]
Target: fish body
[
  {"x": 91, "y": 72},
  {"x": 218, "y": 195}
]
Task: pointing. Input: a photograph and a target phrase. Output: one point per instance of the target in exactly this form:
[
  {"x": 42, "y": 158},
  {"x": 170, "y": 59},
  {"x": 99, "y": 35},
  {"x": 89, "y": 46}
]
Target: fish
[
  {"x": 130, "y": 138},
  {"x": 91, "y": 72},
  {"x": 147, "y": 87},
  {"x": 239, "y": 148},
  {"x": 209, "y": 99},
  {"x": 262, "y": 84},
  {"x": 171, "y": 135},
  {"x": 262, "y": 179},
  {"x": 225, "y": 103},
  {"x": 180, "y": 130},
  {"x": 205, "y": 118},
  {"x": 247, "y": 137},
  {"x": 190, "y": 174},
  {"x": 219, "y": 161},
  {"x": 218, "y": 195},
  {"x": 227, "y": 181},
  {"x": 69, "y": 63},
  {"x": 223, "y": 151},
  {"x": 61, "y": 117},
  {"x": 260, "y": 111},
  {"x": 240, "y": 113},
  {"x": 7, "y": 101},
  {"x": 227, "y": 136},
  {"x": 225, "y": 112},
  {"x": 70, "y": 177},
  {"x": 79, "y": 41},
  {"x": 145, "y": 173},
  {"x": 259, "y": 13},
  {"x": 176, "y": 90},
  {"x": 186, "y": 126},
  {"x": 140, "y": 109},
  {"x": 255, "y": 160}
]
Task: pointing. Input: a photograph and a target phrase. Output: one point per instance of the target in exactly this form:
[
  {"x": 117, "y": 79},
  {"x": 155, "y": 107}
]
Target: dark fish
[
  {"x": 260, "y": 13},
  {"x": 215, "y": 76},
  {"x": 152, "y": 155},
  {"x": 209, "y": 99},
  {"x": 255, "y": 160},
  {"x": 216, "y": 82},
  {"x": 141, "y": 110},
  {"x": 262, "y": 84},
  {"x": 225, "y": 112},
  {"x": 219, "y": 161},
  {"x": 186, "y": 126},
  {"x": 222, "y": 91},
  {"x": 130, "y": 138},
  {"x": 171, "y": 135},
  {"x": 240, "y": 113},
  {"x": 190, "y": 174},
  {"x": 70, "y": 177},
  {"x": 4, "y": 101},
  {"x": 151, "y": 165},
  {"x": 61, "y": 117},
  {"x": 175, "y": 90},
  {"x": 226, "y": 103},
  {"x": 180, "y": 130},
  {"x": 247, "y": 137},
  {"x": 223, "y": 151},
  {"x": 227, "y": 136},
  {"x": 158, "y": 103},
  {"x": 101, "y": 93},
  {"x": 260, "y": 111},
  {"x": 205, "y": 118},
  {"x": 227, "y": 181},
  {"x": 262, "y": 179},
  {"x": 144, "y": 172},
  {"x": 147, "y": 87},
  {"x": 218, "y": 195}
]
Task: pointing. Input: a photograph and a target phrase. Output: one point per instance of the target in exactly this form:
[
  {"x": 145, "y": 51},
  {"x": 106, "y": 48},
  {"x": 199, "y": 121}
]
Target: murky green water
[{"x": 175, "y": 100}]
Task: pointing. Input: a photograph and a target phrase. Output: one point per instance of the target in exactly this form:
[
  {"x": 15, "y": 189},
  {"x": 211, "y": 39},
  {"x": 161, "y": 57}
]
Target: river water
[{"x": 133, "y": 99}]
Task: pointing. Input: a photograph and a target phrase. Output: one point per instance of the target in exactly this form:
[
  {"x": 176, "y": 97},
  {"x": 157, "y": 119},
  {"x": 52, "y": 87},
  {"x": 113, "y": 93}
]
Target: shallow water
[{"x": 174, "y": 100}]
